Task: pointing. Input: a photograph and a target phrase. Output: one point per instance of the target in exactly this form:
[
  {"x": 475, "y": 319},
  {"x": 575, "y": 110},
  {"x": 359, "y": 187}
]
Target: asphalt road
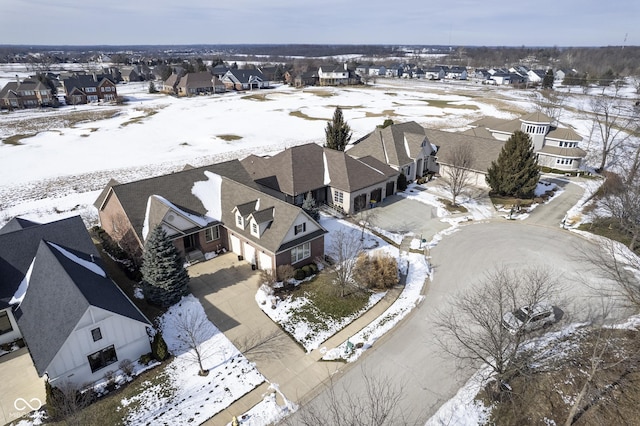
[{"x": 410, "y": 357}]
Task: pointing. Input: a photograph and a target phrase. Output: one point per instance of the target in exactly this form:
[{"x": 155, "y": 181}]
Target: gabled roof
[
  {"x": 236, "y": 196},
  {"x": 303, "y": 168},
  {"x": 18, "y": 247},
  {"x": 483, "y": 150},
  {"x": 175, "y": 187},
  {"x": 396, "y": 145},
  {"x": 63, "y": 284},
  {"x": 245, "y": 76},
  {"x": 196, "y": 80}
]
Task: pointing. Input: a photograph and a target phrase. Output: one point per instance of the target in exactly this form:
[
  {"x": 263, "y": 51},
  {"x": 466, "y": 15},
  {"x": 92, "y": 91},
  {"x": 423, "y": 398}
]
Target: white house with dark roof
[
  {"x": 55, "y": 294},
  {"x": 556, "y": 147}
]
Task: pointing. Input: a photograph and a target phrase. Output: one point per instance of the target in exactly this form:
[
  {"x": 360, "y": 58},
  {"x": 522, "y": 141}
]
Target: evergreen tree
[
  {"x": 388, "y": 122},
  {"x": 152, "y": 87},
  {"x": 159, "y": 349},
  {"x": 310, "y": 207},
  {"x": 338, "y": 132},
  {"x": 402, "y": 182},
  {"x": 163, "y": 274},
  {"x": 547, "y": 81},
  {"x": 515, "y": 172}
]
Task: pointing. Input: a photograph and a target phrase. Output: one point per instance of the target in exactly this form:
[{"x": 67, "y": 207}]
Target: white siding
[
  {"x": 129, "y": 337},
  {"x": 310, "y": 226}
]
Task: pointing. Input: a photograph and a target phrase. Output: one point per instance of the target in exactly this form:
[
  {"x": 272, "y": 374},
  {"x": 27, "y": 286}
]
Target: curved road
[{"x": 410, "y": 357}]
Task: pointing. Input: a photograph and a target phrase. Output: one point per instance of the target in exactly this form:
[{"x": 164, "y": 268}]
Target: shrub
[
  {"x": 268, "y": 276},
  {"x": 313, "y": 267},
  {"x": 285, "y": 272},
  {"x": 145, "y": 359},
  {"x": 159, "y": 349},
  {"x": 299, "y": 275},
  {"x": 379, "y": 271},
  {"x": 307, "y": 271},
  {"x": 127, "y": 367},
  {"x": 402, "y": 182}
]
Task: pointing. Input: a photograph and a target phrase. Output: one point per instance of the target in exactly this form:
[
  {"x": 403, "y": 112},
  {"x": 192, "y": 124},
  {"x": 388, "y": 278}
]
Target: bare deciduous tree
[
  {"x": 192, "y": 330},
  {"x": 377, "y": 405},
  {"x": 471, "y": 326},
  {"x": 612, "y": 123},
  {"x": 457, "y": 173},
  {"x": 550, "y": 102},
  {"x": 343, "y": 252}
]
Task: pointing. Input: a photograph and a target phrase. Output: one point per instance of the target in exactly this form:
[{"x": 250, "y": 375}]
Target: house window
[
  {"x": 299, "y": 229},
  {"x": 300, "y": 252},
  {"x": 338, "y": 197},
  {"x": 90, "y": 90},
  {"x": 212, "y": 233},
  {"x": 239, "y": 221},
  {"x": 254, "y": 228},
  {"x": 5, "y": 323},
  {"x": 96, "y": 334},
  {"x": 102, "y": 358}
]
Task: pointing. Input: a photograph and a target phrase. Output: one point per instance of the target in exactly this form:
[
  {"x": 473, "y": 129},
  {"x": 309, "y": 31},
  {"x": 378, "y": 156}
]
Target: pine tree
[
  {"x": 310, "y": 207},
  {"x": 547, "y": 81},
  {"x": 515, "y": 172},
  {"x": 338, "y": 132},
  {"x": 163, "y": 274}
]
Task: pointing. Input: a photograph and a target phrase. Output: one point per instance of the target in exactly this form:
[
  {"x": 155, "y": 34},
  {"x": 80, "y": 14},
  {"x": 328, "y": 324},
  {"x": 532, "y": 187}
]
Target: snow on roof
[
  {"x": 82, "y": 262},
  {"x": 202, "y": 222},
  {"x": 209, "y": 192},
  {"x": 18, "y": 296},
  {"x": 327, "y": 178}
]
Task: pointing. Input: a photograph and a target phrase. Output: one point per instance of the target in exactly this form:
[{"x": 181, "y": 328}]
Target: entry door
[{"x": 190, "y": 243}]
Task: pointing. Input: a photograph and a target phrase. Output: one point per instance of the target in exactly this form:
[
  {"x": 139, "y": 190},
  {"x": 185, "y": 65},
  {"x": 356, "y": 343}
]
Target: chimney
[{"x": 345, "y": 66}]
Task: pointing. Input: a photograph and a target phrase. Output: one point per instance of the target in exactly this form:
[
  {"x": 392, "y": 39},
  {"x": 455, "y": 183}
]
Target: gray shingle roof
[
  {"x": 483, "y": 150},
  {"x": 564, "y": 134},
  {"x": 175, "y": 187},
  {"x": 60, "y": 292},
  {"x": 388, "y": 144},
  {"x": 17, "y": 224},
  {"x": 563, "y": 152},
  {"x": 18, "y": 248}
]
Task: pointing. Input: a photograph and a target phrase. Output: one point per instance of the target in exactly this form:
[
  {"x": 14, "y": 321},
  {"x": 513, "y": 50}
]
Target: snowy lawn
[
  {"x": 305, "y": 320},
  {"x": 417, "y": 273},
  {"x": 186, "y": 397}
]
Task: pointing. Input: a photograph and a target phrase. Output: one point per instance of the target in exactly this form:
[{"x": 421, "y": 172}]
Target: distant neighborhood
[{"x": 49, "y": 89}]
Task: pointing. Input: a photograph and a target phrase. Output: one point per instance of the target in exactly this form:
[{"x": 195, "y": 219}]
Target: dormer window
[
  {"x": 239, "y": 221},
  {"x": 255, "y": 229}
]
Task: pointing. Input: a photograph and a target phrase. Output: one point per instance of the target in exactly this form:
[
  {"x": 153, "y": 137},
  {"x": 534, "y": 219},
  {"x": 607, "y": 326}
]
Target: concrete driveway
[
  {"x": 410, "y": 357},
  {"x": 21, "y": 390}
]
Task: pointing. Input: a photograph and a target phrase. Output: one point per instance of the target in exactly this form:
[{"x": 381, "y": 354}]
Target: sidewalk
[{"x": 298, "y": 374}]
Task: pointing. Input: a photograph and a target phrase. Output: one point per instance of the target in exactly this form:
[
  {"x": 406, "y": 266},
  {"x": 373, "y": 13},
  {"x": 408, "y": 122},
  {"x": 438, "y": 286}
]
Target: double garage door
[{"x": 249, "y": 253}]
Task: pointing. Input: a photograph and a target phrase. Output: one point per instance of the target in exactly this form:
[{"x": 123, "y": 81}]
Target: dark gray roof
[
  {"x": 18, "y": 248},
  {"x": 16, "y": 224},
  {"x": 103, "y": 195},
  {"x": 175, "y": 187},
  {"x": 388, "y": 144},
  {"x": 243, "y": 76},
  {"x": 60, "y": 292}
]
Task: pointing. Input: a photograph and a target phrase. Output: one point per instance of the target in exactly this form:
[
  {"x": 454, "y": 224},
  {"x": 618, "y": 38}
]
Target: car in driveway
[{"x": 529, "y": 318}]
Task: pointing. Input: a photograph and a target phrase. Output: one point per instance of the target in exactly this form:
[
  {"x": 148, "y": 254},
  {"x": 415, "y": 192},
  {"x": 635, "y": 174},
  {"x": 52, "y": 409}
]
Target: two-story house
[
  {"x": 337, "y": 76},
  {"x": 208, "y": 209},
  {"x": 27, "y": 93},
  {"x": 89, "y": 88},
  {"x": 247, "y": 79}
]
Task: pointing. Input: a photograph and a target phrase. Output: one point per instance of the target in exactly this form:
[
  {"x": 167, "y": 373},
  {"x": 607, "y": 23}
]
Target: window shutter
[{"x": 304, "y": 227}]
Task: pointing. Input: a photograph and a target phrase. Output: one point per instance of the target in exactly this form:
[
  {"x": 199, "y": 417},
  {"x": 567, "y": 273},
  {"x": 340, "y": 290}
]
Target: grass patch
[
  {"x": 438, "y": 103},
  {"x": 498, "y": 200},
  {"x": 451, "y": 208},
  {"x": 320, "y": 93},
  {"x": 109, "y": 411},
  {"x": 390, "y": 94},
  {"x": 229, "y": 137},
  {"x": 257, "y": 97},
  {"x": 609, "y": 228},
  {"x": 148, "y": 112},
  {"x": 15, "y": 139},
  {"x": 384, "y": 113},
  {"x": 326, "y": 300},
  {"x": 300, "y": 114}
]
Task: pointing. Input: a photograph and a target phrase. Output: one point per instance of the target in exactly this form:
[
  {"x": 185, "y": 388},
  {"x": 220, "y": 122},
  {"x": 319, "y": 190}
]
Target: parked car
[{"x": 529, "y": 318}]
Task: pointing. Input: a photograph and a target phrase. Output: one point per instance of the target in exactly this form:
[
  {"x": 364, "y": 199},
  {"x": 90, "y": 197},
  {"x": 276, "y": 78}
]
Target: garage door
[
  {"x": 236, "y": 247},
  {"x": 264, "y": 261},
  {"x": 250, "y": 254}
]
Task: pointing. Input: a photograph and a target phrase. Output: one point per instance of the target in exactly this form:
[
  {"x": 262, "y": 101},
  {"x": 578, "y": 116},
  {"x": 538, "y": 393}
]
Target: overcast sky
[{"x": 448, "y": 22}]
